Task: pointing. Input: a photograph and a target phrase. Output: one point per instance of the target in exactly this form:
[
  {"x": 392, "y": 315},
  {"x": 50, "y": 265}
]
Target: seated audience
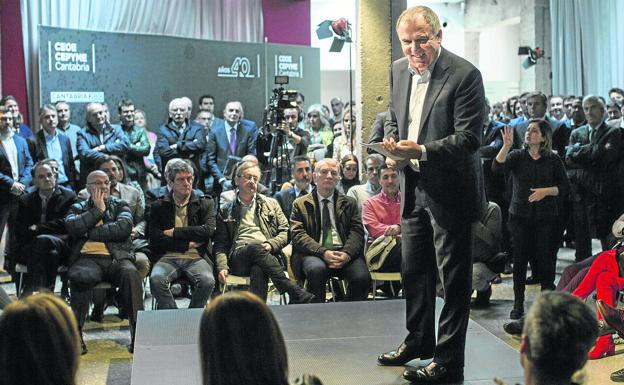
[
  {"x": 346, "y": 143},
  {"x": 320, "y": 133},
  {"x": 302, "y": 175},
  {"x": 52, "y": 143},
  {"x": 38, "y": 342},
  {"x": 114, "y": 167},
  {"x": 231, "y": 330},
  {"x": 179, "y": 139},
  {"x": 327, "y": 237},
  {"x": 98, "y": 139},
  {"x": 139, "y": 145},
  {"x": 606, "y": 279},
  {"x": 251, "y": 232},
  {"x": 381, "y": 216},
  {"x": 180, "y": 236},
  {"x": 101, "y": 229},
  {"x": 488, "y": 263},
  {"x": 349, "y": 173},
  {"x": 230, "y": 195},
  {"x": 20, "y": 128},
  {"x": 614, "y": 319},
  {"x": 372, "y": 187},
  {"x": 42, "y": 240},
  {"x": 558, "y": 333}
]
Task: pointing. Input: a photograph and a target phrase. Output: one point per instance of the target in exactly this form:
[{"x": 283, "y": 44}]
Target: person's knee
[
  {"x": 316, "y": 271},
  {"x": 205, "y": 279},
  {"x": 158, "y": 279}
]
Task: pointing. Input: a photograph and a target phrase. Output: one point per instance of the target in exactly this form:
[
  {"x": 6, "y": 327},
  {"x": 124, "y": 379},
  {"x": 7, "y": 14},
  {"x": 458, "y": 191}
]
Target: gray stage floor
[{"x": 339, "y": 342}]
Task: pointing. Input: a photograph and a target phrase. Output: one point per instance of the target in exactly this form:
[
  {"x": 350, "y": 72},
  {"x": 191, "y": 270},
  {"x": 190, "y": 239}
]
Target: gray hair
[
  {"x": 176, "y": 166},
  {"x": 410, "y": 14},
  {"x": 594, "y": 99}
]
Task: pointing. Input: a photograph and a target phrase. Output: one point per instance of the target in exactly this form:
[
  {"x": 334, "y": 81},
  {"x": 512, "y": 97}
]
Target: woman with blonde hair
[
  {"x": 39, "y": 342},
  {"x": 240, "y": 343},
  {"x": 342, "y": 144}
]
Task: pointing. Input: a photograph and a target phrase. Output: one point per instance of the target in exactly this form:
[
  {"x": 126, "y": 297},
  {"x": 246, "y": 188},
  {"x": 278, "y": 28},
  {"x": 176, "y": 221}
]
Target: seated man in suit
[
  {"x": 180, "y": 236},
  {"x": 42, "y": 241},
  {"x": 302, "y": 175},
  {"x": 101, "y": 228},
  {"x": 228, "y": 143},
  {"x": 179, "y": 139},
  {"x": 98, "y": 139},
  {"x": 328, "y": 237},
  {"x": 250, "y": 231},
  {"x": 52, "y": 143},
  {"x": 15, "y": 174}
]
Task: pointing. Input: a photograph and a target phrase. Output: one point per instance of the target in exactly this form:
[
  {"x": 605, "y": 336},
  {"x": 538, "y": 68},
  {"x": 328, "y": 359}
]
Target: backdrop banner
[{"x": 81, "y": 66}]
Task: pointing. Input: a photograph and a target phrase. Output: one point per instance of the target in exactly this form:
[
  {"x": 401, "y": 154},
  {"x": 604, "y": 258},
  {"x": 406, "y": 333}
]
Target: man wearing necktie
[
  {"x": 229, "y": 140},
  {"x": 434, "y": 123},
  {"x": 328, "y": 237}
]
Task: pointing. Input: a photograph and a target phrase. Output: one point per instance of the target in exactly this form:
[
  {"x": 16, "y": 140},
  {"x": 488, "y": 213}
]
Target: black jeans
[
  {"x": 534, "y": 237},
  {"x": 88, "y": 271},
  {"x": 43, "y": 255},
  {"x": 354, "y": 272}
]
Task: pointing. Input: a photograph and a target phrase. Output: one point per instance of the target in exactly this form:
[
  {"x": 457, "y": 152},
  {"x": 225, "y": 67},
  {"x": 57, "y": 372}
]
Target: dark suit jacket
[
  {"x": 377, "y": 131},
  {"x": 450, "y": 129},
  {"x": 596, "y": 161},
  {"x": 285, "y": 199},
  {"x": 39, "y": 151},
  {"x": 24, "y": 162},
  {"x": 305, "y": 227},
  {"x": 218, "y": 149},
  {"x": 200, "y": 228},
  {"x": 115, "y": 141},
  {"x": 29, "y": 213},
  {"x": 190, "y": 145}
]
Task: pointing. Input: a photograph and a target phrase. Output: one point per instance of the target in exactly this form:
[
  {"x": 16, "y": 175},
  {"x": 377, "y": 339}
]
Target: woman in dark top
[
  {"x": 537, "y": 178},
  {"x": 349, "y": 173}
]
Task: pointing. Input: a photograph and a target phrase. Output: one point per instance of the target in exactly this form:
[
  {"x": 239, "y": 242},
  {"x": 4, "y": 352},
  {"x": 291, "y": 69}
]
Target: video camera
[{"x": 280, "y": 100}]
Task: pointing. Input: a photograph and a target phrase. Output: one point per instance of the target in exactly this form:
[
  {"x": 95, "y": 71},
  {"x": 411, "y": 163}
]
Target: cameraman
[{"x": 298, "y": 138}]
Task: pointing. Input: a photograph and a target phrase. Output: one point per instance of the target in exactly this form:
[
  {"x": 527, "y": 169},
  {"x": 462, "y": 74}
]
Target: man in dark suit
[
  {"x": 328, "y": 237},
  {"x": 179, "y": 139},
  {"x": 98, "y": 139},
  {"x": 592, "y": 158},
  {"x": 228, "y": 142},
  {"x": 302, "y": 174},
  {"x": 42, "y": 240},
  {"x": 434, "y": 123},
  {"x": 536, "y": 109},
  {"x": 50, "y": 143},
  {"x": 15, "y": 174}
]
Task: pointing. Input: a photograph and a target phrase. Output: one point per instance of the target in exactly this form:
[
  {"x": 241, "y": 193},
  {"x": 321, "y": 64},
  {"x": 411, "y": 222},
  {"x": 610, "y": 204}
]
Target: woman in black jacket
[{"x": 538, "y": 178}]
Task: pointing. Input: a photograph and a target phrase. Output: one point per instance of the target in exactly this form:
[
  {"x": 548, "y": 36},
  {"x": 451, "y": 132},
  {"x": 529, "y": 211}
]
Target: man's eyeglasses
[
  {"x": 326, "y": 172},
  {"x": 250, "y": 178}
]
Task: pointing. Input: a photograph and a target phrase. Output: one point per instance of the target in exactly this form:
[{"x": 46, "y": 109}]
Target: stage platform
[{"x": 339, "y": 342}]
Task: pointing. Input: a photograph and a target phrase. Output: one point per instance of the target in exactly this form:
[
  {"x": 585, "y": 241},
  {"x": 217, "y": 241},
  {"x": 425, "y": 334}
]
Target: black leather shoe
[
  {"x": 514, "y": 327},
  {"x": 402, "y": 355},
  {"x": 618, "y": 376},
  {"x": 532, "y": 280},
  {"x": 434, "y": 373},
  {"x": 302, "y": 297},
  {"x": 604, "y": 329}
]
